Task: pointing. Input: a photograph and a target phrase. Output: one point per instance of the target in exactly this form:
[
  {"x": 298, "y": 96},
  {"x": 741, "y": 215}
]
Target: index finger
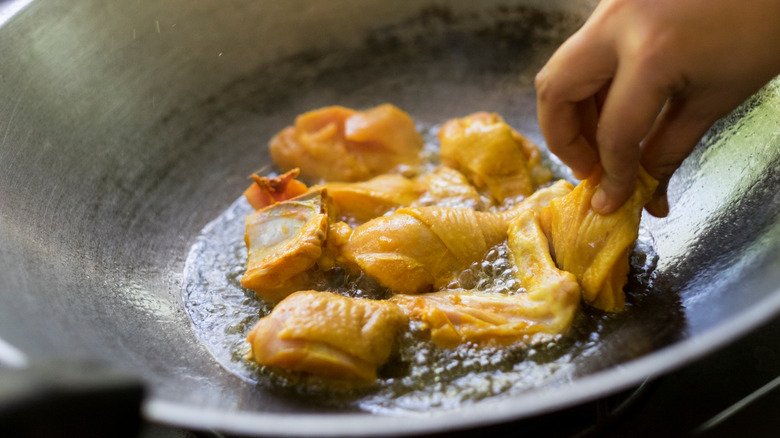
[{"x": 566, "y": 89}]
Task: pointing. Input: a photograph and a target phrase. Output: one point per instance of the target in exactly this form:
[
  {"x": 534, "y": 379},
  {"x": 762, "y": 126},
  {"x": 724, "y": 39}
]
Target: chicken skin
[
  {"x": 540, "y": 199},
  {"x": 446, "y": 187},
  {"x": 417, "y": 249},
  {"x": 359, "y": 202},
  {"x": 595, "y": 247},
  {"x": 340, "y": 144},
  {"x": 284, "y": 240},
  {"x": 493, "y": 156},
  {"x": 547, "y": 306},
  {"x": 327, "y": 335}
]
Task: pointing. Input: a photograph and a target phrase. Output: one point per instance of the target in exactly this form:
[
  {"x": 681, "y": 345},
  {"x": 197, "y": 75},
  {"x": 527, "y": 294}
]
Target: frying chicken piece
[
  {"x": 265, "y": 191},
  {"x": 446, "y": 187},
  {"x": 539, "y": 173},
  {"x": 492, "y": 156},
  {"x": 416, "y": 249},
  {"x": 543, "y": 281},
  {"x": 384, "y": 136},
  {"x": 338, "y": 236},
  {"x": 547, "y": 307},
  {"x": 283, "y": 241},
  {"x": 595, "y": 247},
  {"x": 327, "y": 335},
  {"x": 540, "y": 199},
  {"x": 340, "y": 144},
  {"x": 359, "y": 202}
]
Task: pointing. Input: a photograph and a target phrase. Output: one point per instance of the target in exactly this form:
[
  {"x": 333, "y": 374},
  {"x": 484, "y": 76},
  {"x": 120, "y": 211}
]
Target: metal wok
[{"x": 125, "y": 127}]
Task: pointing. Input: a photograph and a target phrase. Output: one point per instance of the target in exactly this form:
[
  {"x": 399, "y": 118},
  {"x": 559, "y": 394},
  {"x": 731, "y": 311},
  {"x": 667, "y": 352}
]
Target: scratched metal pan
[{"x": 126, "y": 127}]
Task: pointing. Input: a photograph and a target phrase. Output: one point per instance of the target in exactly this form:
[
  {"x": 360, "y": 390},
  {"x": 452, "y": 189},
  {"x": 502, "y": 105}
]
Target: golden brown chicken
[
  {"x": 327, "y": 335},
  {"x": 554, "y": 289},
  {"x": 596, "y": 247},
  {"x": 546, "y": 307},
  {"x": 340, "y": 144},
  {"x": 540, "y": 199},
  {"x": 446, "y": 187},
  {"x": 417, "y": 249},
  {"x": 493, "y": 156},
  {"x": 283, "y": 242},
  {"x": 359, "y": 202}
]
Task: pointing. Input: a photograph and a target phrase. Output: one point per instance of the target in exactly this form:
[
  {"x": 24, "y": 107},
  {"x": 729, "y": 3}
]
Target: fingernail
[
  {"x": 580, "y": 175},
  {"x": 583, "y": 172},
  {"x": 599, "y": 201}
]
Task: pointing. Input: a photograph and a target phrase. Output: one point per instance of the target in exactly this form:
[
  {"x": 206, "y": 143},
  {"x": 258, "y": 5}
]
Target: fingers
[
  {"x": 677, "y": 131},
  {"x": 566, "y": 107},
  {"x": 632, "y": 105}
]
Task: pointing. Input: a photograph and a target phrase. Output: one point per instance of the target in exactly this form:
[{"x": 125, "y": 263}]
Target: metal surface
[{"x": 126, "y": 127}]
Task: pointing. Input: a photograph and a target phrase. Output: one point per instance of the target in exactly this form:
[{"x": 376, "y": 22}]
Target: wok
[{"x": 126, "y": 127}]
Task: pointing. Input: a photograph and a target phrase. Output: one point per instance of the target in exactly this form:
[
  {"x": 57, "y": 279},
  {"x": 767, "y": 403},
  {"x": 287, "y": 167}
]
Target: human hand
[{"x": 642, "y": 82}]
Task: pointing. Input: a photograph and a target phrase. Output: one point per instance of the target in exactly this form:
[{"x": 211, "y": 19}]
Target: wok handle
[{"x": 69, "y": 398}]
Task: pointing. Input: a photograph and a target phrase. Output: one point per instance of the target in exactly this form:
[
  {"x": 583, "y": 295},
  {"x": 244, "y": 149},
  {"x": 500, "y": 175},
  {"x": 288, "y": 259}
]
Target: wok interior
[{"x": 127, "y": 128}]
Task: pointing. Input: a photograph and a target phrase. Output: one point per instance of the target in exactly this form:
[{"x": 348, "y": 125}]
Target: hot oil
[
  {"x": 495, "y": 274},
  {"x": 419, "y": 376}
]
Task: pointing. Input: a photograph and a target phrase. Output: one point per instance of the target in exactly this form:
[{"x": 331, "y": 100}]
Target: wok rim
[{"x": 489, "y": 412}]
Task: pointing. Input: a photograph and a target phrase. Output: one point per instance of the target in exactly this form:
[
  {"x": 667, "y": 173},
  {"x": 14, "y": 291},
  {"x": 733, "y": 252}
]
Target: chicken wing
[
  {"x": 327, "y": 335},
  {"x": 595, "y": 247},
  {"x": 340, "y": 144}
]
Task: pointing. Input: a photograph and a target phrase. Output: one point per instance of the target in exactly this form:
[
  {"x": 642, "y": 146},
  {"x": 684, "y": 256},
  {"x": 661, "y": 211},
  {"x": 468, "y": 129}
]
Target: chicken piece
[
  {"x": 327, "y": 335},
  {"x": 538, "y": 172},
  {"x": 492, "y": 156},
  {"x": 340, "y": 144},
  {"x": 446, "y": 187},
  {"x": 540, "y": 199},
  {"x": 283, "y": 241},
  {"x": 595, "y": 247},
  {"x": 384, "y": 137},
  {"x": 547, "y": 307},
  {"x": 338, "y": 236},
  {"x": 362, "y": 201},
  {"x": 543, "y": 281},
  {"x": 265, "y": 191},
  {"x": 416, "y": 249}
]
